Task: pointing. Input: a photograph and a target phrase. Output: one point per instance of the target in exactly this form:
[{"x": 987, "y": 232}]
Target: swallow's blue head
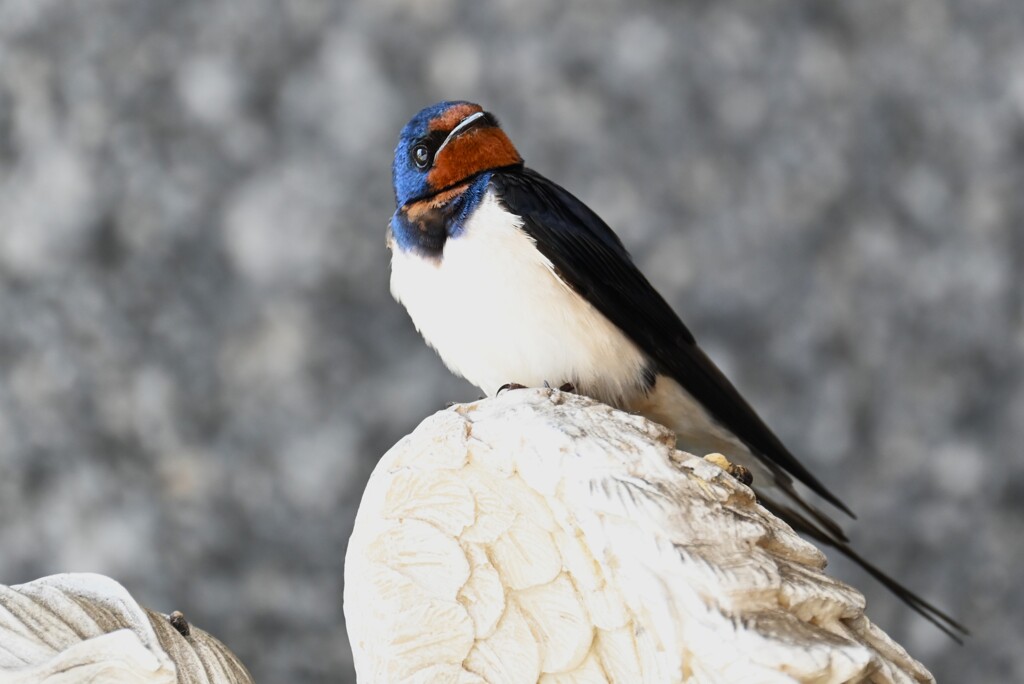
[{"x": 445, "y": 145}]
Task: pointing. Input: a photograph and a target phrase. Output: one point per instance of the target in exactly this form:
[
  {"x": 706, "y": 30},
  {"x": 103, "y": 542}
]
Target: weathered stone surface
[
  {"x": 83, "y": 627},
  {"x": 621, "y": 560}
]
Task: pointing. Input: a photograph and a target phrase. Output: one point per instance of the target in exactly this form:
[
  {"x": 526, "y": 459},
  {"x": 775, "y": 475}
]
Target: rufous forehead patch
[{"x": 451, "y": 117}]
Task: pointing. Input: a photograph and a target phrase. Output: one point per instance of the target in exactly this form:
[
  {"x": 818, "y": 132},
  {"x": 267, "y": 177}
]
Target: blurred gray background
[{"x": 200, "y": 362}]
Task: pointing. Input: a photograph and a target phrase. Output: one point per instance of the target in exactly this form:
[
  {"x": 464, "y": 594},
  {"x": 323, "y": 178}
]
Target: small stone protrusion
[
  {"x": 178, "y": 622},
  {"x": 739, "y": 472}
]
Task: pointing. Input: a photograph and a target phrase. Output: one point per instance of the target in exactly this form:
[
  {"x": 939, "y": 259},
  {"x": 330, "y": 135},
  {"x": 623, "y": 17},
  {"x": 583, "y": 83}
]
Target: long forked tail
[{"x": 801, "y": 523}]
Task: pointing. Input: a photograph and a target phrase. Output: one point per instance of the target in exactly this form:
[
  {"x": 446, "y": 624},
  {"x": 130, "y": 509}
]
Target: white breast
[{"x": 496, "y": 312}]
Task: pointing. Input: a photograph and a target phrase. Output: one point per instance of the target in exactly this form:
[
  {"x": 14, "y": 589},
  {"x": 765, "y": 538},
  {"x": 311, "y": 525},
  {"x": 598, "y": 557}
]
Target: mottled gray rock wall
[{"x": 199, "y": 359}]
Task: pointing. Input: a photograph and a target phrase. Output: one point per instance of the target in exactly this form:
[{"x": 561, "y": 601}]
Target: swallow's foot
[
  {"x": 739, "y": 472},
  {"x": 564, "y": 387}
]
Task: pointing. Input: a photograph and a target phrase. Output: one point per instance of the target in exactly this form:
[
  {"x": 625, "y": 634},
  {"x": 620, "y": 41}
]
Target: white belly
[{"x": 495, "y": 311}]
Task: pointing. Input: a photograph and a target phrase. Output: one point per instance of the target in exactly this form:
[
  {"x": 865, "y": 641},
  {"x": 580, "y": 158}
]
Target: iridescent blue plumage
[
  {"x": 411, "y": 181},
  {"x": 441, "y": 171},
  {"x": 427, "y": 231}
]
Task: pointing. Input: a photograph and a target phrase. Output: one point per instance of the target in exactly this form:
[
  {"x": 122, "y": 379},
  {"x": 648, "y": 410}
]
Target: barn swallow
[{"x": 513, "y": 279}]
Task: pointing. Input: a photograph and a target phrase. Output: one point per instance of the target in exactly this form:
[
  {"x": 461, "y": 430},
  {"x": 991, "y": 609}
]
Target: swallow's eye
[{"x": 421, "y": 155}]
